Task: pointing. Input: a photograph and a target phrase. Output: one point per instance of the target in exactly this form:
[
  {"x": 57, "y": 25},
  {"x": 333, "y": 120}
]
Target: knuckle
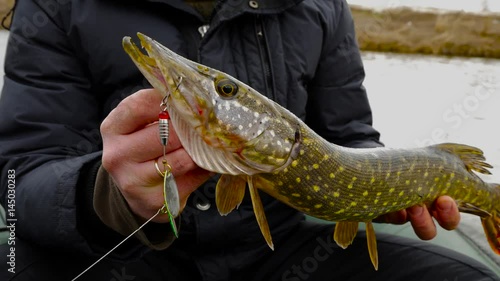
[
  {"x": 105, "y": 127},
  {"x": 110, "y": 160}
]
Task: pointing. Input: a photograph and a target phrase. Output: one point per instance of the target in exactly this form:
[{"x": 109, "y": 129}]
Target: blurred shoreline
[{"x": 437, "y": 32}]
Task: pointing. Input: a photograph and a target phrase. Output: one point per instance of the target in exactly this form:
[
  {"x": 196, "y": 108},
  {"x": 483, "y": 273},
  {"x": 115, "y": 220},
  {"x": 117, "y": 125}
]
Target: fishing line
[{"x": 123, "y": 241}]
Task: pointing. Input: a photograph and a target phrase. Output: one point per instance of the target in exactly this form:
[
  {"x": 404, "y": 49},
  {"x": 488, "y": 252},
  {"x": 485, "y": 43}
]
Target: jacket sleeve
[
  {"x": 49, "y": 128},
  {"x": 338, "y": 108}
]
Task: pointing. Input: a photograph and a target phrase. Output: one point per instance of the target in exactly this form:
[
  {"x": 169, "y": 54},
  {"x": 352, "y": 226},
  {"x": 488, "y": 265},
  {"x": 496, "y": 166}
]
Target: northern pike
[{"x": 229, "y": 128}]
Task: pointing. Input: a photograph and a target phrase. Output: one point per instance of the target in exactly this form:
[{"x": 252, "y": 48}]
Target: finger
[
  {"x": 191, "y": 181},
  {"x": 134, "y": 112},
  {"x": 399, "y": 217},
  {"x": 144, "y": 145},
  {"x": 446, "y": 212},
  {"x": 146, "y": 172},
  {"x": 422, "y": 222},
  {"x": 149, "y": 199}
]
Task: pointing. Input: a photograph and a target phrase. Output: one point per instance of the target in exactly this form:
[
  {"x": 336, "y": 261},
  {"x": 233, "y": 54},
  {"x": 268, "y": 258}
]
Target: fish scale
[{"x": 229, "y": 128}]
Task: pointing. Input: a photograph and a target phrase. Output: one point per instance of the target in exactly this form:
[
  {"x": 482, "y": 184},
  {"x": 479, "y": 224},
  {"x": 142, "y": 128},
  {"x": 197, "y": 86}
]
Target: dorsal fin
[{"x": 472, "y": 157}]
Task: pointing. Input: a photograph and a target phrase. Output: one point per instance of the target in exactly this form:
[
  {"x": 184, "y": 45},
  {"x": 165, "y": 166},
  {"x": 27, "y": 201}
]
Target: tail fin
[{"x": 491, "y": 225}]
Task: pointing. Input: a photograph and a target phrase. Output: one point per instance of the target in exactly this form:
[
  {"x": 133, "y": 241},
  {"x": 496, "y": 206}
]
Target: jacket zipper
[{"x": 265, "y": 58}]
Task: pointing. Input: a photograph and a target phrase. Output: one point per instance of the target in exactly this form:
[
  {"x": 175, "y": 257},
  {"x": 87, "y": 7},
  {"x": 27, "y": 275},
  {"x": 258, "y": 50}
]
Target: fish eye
[{"x": 226, "y": 88}]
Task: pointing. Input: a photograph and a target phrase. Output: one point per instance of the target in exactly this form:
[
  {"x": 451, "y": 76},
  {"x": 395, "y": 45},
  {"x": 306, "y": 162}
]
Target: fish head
[{"x": 224, "y": 125}]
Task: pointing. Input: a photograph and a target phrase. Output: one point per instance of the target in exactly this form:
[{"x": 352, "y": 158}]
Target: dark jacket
[{"x": 65, "y": 70}]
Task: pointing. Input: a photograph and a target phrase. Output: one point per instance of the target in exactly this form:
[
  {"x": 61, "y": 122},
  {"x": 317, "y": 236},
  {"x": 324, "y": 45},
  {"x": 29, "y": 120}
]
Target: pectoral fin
[
  {"x": 258, "y": 209},
  {"x": 344, "y": 234},
  {"x": 229, "y": 193},
  {"x": 372, "y": 244}
]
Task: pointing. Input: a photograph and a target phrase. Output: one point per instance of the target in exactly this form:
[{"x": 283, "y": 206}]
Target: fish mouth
[{"x": 173, "y": 75}]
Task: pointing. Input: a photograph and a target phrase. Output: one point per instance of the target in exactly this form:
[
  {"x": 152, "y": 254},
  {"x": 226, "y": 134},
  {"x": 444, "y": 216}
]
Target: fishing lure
[{"x": 171, "y": 205}]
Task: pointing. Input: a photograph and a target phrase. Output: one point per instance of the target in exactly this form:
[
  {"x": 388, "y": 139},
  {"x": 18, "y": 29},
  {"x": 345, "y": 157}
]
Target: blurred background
[{"x": 432, "y": 75}]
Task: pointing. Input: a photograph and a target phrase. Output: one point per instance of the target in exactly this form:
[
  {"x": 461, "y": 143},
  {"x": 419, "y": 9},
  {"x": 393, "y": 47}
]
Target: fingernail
[
  {"x": 445, "y": 206},
  {"x": 416, "y": 210}
]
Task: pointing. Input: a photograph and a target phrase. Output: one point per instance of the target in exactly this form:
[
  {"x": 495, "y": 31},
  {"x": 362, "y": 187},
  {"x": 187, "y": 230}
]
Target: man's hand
[
  {"x": 131, "y": 145},
  {"x": 444, "y": 210}
]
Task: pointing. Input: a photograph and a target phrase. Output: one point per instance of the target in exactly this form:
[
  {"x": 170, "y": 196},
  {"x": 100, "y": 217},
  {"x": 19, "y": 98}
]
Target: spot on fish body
[{"x": 340, "y": 211}]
